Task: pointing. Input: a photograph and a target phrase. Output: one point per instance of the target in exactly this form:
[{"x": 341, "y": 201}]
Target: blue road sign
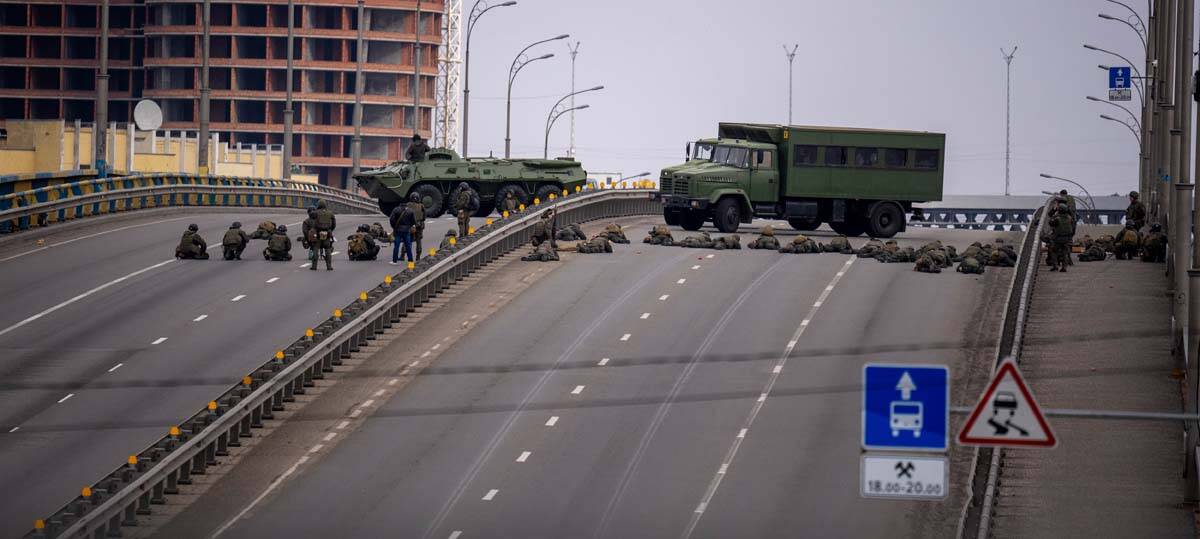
[
  {"x": 906, "y": 407},
  {"x": 1119, "y": 77}
]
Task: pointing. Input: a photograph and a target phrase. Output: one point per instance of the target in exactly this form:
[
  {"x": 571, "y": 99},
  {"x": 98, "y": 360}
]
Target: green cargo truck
[{"x": 856, "y": 180}]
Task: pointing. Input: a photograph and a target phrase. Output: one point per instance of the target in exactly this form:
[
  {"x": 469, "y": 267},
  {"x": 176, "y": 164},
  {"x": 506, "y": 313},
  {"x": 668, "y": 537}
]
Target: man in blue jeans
[{"x": 402, "y": 221}]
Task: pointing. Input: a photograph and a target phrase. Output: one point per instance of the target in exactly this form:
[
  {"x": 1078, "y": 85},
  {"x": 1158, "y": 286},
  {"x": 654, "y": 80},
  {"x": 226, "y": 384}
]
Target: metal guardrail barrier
[
  {"x": 1002, "y": 220},
  {"x": 40, "y": 207},
  {"x": 197, "y": 443},
  {"x": 975, "y": 519}
]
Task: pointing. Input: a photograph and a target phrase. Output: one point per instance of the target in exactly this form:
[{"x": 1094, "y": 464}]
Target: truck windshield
[
  {"x": 729, "y": 155},
  {"x": 702, "y": 151}
]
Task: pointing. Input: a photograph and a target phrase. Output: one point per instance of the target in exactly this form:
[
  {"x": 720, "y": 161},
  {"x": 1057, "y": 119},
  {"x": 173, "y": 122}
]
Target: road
[
  {"x": 655, "y": 392},
  {"x": 109, "y": 341}
]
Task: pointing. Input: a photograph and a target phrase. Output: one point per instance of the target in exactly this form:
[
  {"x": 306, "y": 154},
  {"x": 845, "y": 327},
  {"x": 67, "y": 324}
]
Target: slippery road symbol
[
  {"x": 1005, "y": 402},
  {"x": 904, "y": 469}
]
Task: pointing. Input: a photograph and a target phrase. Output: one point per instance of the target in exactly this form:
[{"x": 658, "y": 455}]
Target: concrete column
[
  {"x": 99, "y": 136},
  {"x": 76, "y": 156},
  {"x": 182, "y": 151},
  {"x": 110, "y": 140},
  {"x": 202, "y": 137},
  {"x": 132, "y": 134},
  {"x": 254, "y": 160},
  {"x": 288, "y": 113}
]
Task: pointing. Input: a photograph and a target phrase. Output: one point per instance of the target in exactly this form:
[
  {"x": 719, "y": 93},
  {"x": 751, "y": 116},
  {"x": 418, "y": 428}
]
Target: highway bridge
[{"x": 651, "y": 392}]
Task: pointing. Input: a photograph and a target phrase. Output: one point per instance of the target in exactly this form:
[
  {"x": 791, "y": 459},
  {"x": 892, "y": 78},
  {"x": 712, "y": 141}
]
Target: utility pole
[
  {"x": 574, "y": 52},
  {"x": 288, "y": 114},
  {"x": 100, "y": 159},
  {"x": 202, "y": 140},
  {"x": 417, "y": 73},
  {"x": 1008, "y": 117},
  {"x": 791, "y": 56},
  {"x": 356, "y": 141}
]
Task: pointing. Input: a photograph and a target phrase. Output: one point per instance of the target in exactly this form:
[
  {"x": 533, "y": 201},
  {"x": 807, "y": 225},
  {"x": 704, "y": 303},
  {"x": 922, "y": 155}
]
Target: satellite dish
[{"x": 147, "y": 116}]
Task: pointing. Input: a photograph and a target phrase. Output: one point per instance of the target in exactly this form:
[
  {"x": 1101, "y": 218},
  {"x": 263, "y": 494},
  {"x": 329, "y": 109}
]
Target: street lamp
[
  {"x": 477, "y": 11},
  {"x": 1120, "y": 106},
  {"x": 1126, "y": 23},
  {"x": 1131, "y": 10},
  {"x": 1072, "y": 182},
  {"x": 557, "y": 111},
  {"x": 1127, "y": 126},
  {"x": 517, "y": 64},
  {"x": 1136, "y": 71}
]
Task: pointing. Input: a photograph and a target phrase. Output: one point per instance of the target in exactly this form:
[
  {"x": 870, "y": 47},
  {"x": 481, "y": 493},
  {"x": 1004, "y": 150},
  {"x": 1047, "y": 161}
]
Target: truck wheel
[
  {"x": 519, "y": 193},
  {"x": 485, "y": 209},
  {"x": 885, "y": 220},
  {"x": 387, "y": 206},
  {"x": 432, "y": 198},
  {"x": 545, "y": 190},
  {"x": 691, "y": 220},
  {"x": 850, "y": 228},
  {"x": 671, "y": 217},
  {"x": 805, "y": 225},
  {"x": 727, "y": 216}
]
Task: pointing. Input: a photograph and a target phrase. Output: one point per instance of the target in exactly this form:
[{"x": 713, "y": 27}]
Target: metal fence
[
  {"x": 134, "y": 488},
  {"x": 994, "y": 219},
  {"x": 41, "y": 207}
]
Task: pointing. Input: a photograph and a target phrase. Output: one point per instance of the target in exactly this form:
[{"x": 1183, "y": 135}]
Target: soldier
[
  {"x": 1062, "y": 227},
  {"x": 543, "y": 252},
  {"x": 509, "y": 204},
  {"x": 976, "y": 251},
  {"x": 660, "y": 235},
  {"x": 325, "y": 225},
  {"x": 1154, "y": 245},
  {"x": 732, "y": 241},
  {"x": 1003, "y": 256},
  {"x": 402, "y": 221},
  {"x": 446, "y": 239},
  {"x": 1127, "y": 242},
  {"x": 906, "y": 254},
  {"x": 416, "y": 150},
  {"x": 361, "y": 245},
  {"x": 263, "y": 231},
  {"x": 1136, "y": 212},
  {"x": 380, "y": 234},
  {"x": 418, "y": 229},
  {"x": 838, "y": 244},
  {"x": 599, "y": 244},
  {"x": 191, "y": 245},
  {"x": 571, "y": 232},
  {"x": 279, "y": 247},
  {"x": 615, "y": 233},
  {"x": 701, "y": 241},
  {"x": 766, "y": 240},
  {"x": 308, "y": 232},
  {"x": 872, "y": 247},
  {"x": 1071, "y": 210},
  {"x": 801, "y": 244},
  {"x": 543, "y": 230},
  {"x": 235, "y": 241},
  {"x": 926, "y": 264},
  {"x": 1093, "y": 253},
  {"x": 466, "y": 204},
  {"x": 970, "y": 264},
  {"x": 888, "y": 253},
  {"x": 1107, "y": 242}
]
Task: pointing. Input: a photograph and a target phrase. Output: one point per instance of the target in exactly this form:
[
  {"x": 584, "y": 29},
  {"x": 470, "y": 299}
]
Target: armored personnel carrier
[{"x": 436, "y": 180}]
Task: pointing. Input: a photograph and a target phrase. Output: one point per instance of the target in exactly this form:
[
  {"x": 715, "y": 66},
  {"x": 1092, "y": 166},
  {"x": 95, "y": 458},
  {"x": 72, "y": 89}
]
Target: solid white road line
[
  {"x": 367, "y": 403},
  {"x": 577, "y": 390},
  {"x": 552, "y": 421},
  {"x": 316, "y": 448},
  {"x": 64, "y": 399},
  {"x": 272, "y": 279},
  {"x": 14, "y": 429},
  {"x": 274, "y": 484},
  {"x": 356, "y": 412},
  {"x": 524, "y": 456},
  {"x": 84, "y": 295},
  {"x": 330, "y": 436},
  {"x": 626, "y": 337},
  {"x": 342, "y": 425},
  {"x": 491, "y": 494},
  {"x": 159, "y": 340},
  {"x": 200, "y": 318},
  {"x": 663, "y": 297},
  {"x": 239, "y": 297},
  {"x": 603, "y": 362},
  {"x": 73, "y": 240},
  {"x": 645, "y": 316},
  {"x": 115, "y": 367}
]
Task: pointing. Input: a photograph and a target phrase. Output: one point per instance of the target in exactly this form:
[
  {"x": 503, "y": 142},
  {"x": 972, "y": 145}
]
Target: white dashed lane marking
[
  {"x": 330, "y": 436},
  {"x": 577, "y": 390},
  {"x": 238, "y": 297},
  {"x": 709, "y": 256},
  {"x": 342, "y": 425},
  {"x": 681, "y": 281},
  {"x": 524, "y": 456},
  {"x": 272, "y": 279},
  {"x": 697, "y": 266},
  {"x": 159, "y": 340},
  {"x": 663, "y": 297},
  {"x": 14, "y": 429},
  {"x": 625, "y": 337},
  {"x": 455, "y": 534},
  {"x": 115, "y": 367},
  {"x": 552, "y": 421},
  {"x": 491, "y": 495},
  {"x": 200, "y": 318},
  {"x": 645, "y": 316},
  {"x": 603, "y": 362},
  {"x": 64, "y": 399}
]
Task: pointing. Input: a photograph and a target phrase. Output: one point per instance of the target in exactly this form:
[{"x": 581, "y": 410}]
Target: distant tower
[
  {"x": 574, "y": 51},
  {"x": 449, "y": 82},
  {"x": 791, "y": 56},
  {"x": 1008, "y": 58}
]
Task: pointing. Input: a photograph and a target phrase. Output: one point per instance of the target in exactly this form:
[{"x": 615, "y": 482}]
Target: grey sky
[{"x": 673, "y": 69}]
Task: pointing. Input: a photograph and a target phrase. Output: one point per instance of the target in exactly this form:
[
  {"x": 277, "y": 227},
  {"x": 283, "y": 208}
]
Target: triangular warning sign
[{"x": 1007, "y": 414}]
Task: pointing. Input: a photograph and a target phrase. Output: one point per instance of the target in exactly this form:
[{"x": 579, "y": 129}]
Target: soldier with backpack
[
  {"x": 279, "y": 246},
  {"x": 418, "y": 229},
  {"x": 402, "y": 221},
  {"x": 361, "y": 245},
  {"x": 323, "y": 246},
  {"x": 234, "y": 241},
  {"x": 466, "y": 204}
]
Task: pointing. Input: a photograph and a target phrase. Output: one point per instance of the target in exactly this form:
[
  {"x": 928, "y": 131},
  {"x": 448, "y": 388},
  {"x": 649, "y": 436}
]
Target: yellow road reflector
[
  {"x": 387, "y": 280},
  {"x": 174, "y": 431},
  {"x": 362, "y": 295},
  {"x": 505, "y": 214},
  {"x": 470, "y": 230},
  {"x": 86, "y": 492},
  {"x": 309, "y": 332},
  {"x": 552, "y": 196},
  {"x": 212, "y": 406},
  {"x": 132, "y": 460},
  {"x": 432, "y": 251},
  {"x": 521, "y": 207},
  {"x": 39, "y": 524},
  {"x": 279, "y": 355},
  {"x": 412, "y": 265},
  {"x": 489, "y": 221},
  {"x": 536, "y": 201},
  {"x": 565, "y": 192},
  {"x": 246, "y": 380},
  {"x": 578, "y": 188},
  {"x": 453, "y": 240},
  {"x": 337, "y": 313}
]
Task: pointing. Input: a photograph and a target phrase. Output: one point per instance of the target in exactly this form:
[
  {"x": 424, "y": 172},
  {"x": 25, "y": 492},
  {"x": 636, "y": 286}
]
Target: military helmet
[
  {"x": 463, "y": 185},
  {"x": 1156, "y": 227},
  {"x": 768, "y": 230},
  {"x": 236, "y": 224},
  {"x": 451, "y": 232},
  {"x": 546, "y": 214},
  {"x": 193, "y": 228},
  {"x": 1062, "y": 207},
  {"x": 364, "y": 228},
  {"x": 1063, "y": 192},
  {"x": 1133, "y": 194},
  {"x": 320, "y": 204},
  {"x": 281, "y": 228},
  {"x": 416, "y": 137},
  {"x": 414, "y": 197}
]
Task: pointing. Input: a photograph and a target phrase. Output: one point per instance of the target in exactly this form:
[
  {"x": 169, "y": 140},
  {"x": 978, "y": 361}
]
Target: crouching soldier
[
  {"x": 1127, "y": 243},
  {"x": 380, "y": 234},
  {"x": 446, "y": 239},
  {"x": 361, "y": 245},
  {"x": 234, "y": 242},
  {"x": 263, "y": 231},
  {"x": 766, "y": 240},
  {"x": 1154, "y": 245},
  {"x": 279, "y": 246},
  {"x": 191, "y": 245}
]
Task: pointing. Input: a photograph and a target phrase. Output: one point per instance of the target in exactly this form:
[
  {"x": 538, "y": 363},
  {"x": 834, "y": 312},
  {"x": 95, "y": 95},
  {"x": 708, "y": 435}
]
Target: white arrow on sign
[{"x": 905, "y": 386}]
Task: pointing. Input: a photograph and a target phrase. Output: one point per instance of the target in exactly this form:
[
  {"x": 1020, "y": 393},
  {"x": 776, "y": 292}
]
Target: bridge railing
[
  {"x": 1004, "y": 219},
  {"x": 41, "y": 207},
  {"x": 149, "y": 476}
]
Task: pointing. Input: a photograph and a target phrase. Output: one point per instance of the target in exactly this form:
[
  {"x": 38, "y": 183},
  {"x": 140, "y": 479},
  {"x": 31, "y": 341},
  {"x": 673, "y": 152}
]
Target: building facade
[{"x": 48, "y": 70}]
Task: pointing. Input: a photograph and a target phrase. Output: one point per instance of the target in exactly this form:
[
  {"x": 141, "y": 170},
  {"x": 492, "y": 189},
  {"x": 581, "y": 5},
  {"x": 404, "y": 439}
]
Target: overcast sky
[{"x": 674, "y": 69}]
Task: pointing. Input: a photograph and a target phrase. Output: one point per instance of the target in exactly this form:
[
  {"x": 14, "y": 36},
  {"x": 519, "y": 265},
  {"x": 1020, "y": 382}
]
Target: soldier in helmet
[
  {"x": 615, "y": 233},
  {"x": 325, "y": 225},
  {"x": 571, "y": 232},
  {"x": 1062, "y": 234},
  {"x": 416, "y": 150},
  {"x": 659, "y": 235},
  {"x": 599, "y": 244},
  {"x": 543, "y": 230},
  {"x": 234, "y": 241},
  {"x": 1128, "y": 242},
  {"x": 766, "y": 240},
  {"x": 509, "y": 204},
  {"x": 418, "y": 228},
  {"x": 1136, "y": 212},
  {"x": 308, "y": 231},
  {"x": 361, "y": 245},
  {"x": 279, "y": 247},
  {"x": 1154, "y": 245},
  {"x": 465, "y": 204},
  {"x": 446, "y": 239},
  {"x": 263, "y": 231},
  {"x": 191, "y": 245},
  {"x": 402, "y": 220}
]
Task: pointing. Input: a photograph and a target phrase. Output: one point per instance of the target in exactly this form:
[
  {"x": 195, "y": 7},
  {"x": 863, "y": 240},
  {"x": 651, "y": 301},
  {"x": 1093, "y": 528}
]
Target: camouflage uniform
[
  {"x": 361, "y": 245},
  {"x": 702, "y": 241},
  {"x": 1135, "y": 214},
  {"x": 801, "y": 244},
  {"x": 542, "y": 253},
  {"x": 1003, "y": 256},
  {"x": 263, "y": 231},
  {"x": 234, "y": 242},
  {"x": 418, "y": 229},
  {"x": 970, "y": 264},
  {"x": 380, "y": 234},
  {"x": 1061, "y": 227},
  {"x": 766, "y": 240},
  {"x": 571, "y": 232},
  {"x": 191, "y": 245},
  {"x": 1093, "y": 253},
  {"x": 446, "y": 239},
  {"x": 509, "y": 204},
  {"x": 732, "y": 241},
  {"x": 599, "y": 244},
  {"x": 615, "y": 233},
  {"x": 325, "y": 223},
  {"x": 976, "y": 251},
  {"x": 279, "y": 247},
  {"x": 465, "y": 205},
  {"x": 1107, "y": 242},
  {"x": 543, "y": 231},
  {"x": 926, "y": 264},
  {"x": 1127, "y": 243},
  {"x": 660, "y": 235},
  {"x": 870, "y": 249},
  {"x": 838, "y": 244},
  {"x": 1154, "y": 245}
]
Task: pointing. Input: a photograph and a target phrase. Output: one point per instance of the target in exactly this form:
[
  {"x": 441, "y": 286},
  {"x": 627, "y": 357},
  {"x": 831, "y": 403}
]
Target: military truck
[
  {"x": 856, "y": 180},
  {"x": 436, "y": 180}
]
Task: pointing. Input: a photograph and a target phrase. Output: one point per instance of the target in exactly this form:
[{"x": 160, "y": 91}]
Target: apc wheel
[
  {"x": 432, "y": 198},
  {"x": 850, "y": 228},
  {"x": 671, "y": 217},
  {"x": 805, "y": 225},
  {"x": 387, "y": 206},
  {"x": 727, "y": 216},
  {"x": 519, "y": 193},
  {"x": 885, "y": 220},
  {"x": 691, "y": 220},
  {"x": 485, "y": 209},
  {"x": 544, "y": 191}
]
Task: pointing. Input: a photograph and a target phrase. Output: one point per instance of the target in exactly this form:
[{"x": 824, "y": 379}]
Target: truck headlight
[{"x": 695, "y": 203}]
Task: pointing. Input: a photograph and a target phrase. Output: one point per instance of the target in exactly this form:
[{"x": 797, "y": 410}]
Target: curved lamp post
[
  {"x": 1075, "y": 183},
  {"x": 558, "y": 110},
  {"x": 1127, "y": 126},
  {"x": 1126, "y": 23},
  {"x": 477, "y": 11},
  {"x": 1120, "y": 106},
  {"x": 517, "y": 64},
  {"x": 1136, "y": 71}
]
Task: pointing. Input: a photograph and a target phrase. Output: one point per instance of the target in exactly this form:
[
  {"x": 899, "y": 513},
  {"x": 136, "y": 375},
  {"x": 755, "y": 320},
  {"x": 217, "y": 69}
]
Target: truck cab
[{"x": 718, "y": 181}]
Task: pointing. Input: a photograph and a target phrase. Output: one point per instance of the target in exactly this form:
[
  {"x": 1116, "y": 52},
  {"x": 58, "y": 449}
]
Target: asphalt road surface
[
  {"x": 108, "y": 340},
  {"x": 655, "y": 392}
]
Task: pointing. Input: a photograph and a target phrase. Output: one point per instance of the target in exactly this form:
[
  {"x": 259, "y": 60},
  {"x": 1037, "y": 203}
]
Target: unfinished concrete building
[{"x": 155, "y": 50}]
